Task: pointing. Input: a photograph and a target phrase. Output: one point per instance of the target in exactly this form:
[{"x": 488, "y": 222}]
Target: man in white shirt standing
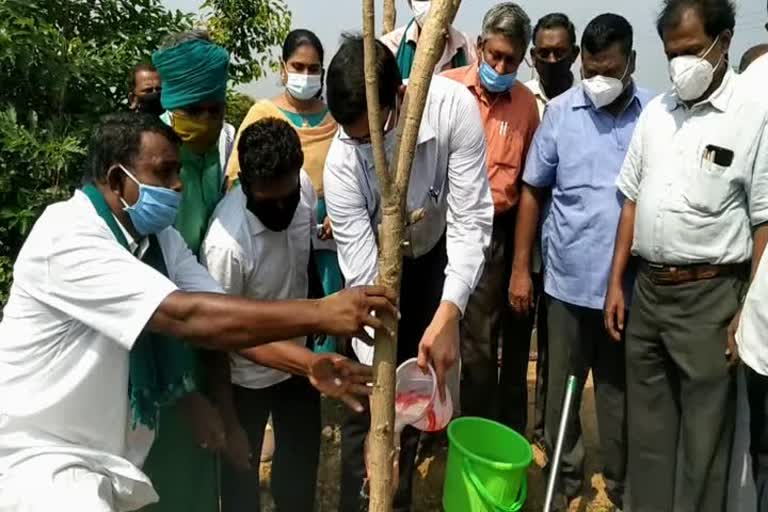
[
  {"x": 103, "y": 288},
  {"x": 752, "y": 333},
  {"x": 450, "y": 201},
  {"x": 695, "y": 182},
  {"x": 258, "y": 246}
]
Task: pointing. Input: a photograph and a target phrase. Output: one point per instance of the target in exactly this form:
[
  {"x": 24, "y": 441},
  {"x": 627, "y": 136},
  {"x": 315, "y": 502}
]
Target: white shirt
[
  {"x": 251, "y": 261},
  {"x": 534, "y": 85},
  {"x": 753, "y": 79},
  {"x": 690, "y": 209},
  {"x": 78, "y": 302},
  {"x": 448, "y": 179},
  {"x": 752, "y": 335}
]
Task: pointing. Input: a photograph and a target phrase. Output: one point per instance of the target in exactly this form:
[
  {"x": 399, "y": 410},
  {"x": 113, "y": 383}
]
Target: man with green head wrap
[{"x": 182, "y": 463}]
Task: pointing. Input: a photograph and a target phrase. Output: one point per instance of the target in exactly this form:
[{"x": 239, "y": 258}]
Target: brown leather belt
[{"x": 665, "y": 275}]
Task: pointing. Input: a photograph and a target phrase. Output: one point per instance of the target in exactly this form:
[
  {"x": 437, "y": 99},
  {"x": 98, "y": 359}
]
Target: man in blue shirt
[{"x": 577, "y": 154}]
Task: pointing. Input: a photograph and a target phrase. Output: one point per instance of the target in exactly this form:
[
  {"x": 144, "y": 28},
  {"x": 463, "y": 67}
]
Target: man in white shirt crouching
[
  {"x": 103, "y": 291},
  {"x": 448, "y": 192},
  {"x": 258, "y": 246}
]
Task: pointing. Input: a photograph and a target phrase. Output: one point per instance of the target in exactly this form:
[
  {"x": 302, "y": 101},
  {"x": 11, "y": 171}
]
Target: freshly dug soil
[{"x": 428, "y": 486}]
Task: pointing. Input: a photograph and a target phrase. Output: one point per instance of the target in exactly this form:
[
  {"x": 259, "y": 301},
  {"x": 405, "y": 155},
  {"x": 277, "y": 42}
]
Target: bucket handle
[{"x": 490, "y": 500}]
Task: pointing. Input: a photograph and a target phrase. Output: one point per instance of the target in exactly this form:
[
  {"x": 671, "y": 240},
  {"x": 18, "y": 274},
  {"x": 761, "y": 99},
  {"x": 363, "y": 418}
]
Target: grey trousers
[
  {"x": 680, "y": 394},
  {"x": 578, "y": 342},
  {"x": 486, "y": 391}
]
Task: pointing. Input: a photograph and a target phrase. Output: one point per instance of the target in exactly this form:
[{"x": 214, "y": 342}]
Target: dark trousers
[
  {"x": 486, "y": 392},
  {"x": 295, "y": 408},
  {"x": 421, "y": 289},
  {"x": 542, "y": 344},
  {"x": 680, "y": 394},
  {"x": 578, "y": 342},
  {"x": 757, "y": 393}
]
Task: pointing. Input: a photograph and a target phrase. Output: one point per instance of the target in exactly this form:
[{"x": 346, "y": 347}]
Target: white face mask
[
  {"x": 302, "y": 86},
  {"x": 603, "y": 90},
  {"x": 421, "y": 10},
  {"x": 692, "y": 75}
]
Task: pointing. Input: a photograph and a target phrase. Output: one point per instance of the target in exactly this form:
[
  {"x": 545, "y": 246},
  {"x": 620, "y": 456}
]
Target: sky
[{"x": 329, "y": 18}]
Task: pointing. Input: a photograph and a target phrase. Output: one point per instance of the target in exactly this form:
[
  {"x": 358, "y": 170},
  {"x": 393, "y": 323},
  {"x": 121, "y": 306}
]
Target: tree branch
[
  {"x": 372, "y": 96},
  {"x": 390, "y": 16}
]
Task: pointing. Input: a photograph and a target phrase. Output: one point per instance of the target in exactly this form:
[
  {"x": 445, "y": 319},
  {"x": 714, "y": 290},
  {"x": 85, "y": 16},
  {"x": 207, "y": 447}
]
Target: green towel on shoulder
[{"x": 162, "y": 368}]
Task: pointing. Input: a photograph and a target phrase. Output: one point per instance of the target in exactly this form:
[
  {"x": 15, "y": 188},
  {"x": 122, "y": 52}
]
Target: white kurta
[{"x": 79, "y": 301}]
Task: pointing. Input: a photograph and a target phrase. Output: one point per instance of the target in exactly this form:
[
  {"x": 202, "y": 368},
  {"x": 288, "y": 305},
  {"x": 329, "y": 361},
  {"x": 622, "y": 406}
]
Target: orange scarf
[{"x": 315, "y": 142}]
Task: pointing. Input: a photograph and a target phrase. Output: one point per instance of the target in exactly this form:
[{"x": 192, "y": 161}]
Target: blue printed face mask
[
  {"x": 493, "y": 81},
  {"x": 155, "y": 209}
]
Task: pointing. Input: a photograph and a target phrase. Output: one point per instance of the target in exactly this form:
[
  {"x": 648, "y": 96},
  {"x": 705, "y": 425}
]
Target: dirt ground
[{"x": 428, "y": 486}]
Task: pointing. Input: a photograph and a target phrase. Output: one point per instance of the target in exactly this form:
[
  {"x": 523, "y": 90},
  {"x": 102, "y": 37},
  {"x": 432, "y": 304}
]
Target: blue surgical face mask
[
  {"x": 494, "y": 82},
  {"x": 155, "y": 209}
]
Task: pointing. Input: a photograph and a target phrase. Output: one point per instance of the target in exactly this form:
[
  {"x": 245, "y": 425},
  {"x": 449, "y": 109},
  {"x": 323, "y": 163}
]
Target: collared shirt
[
  {"x": 542, "y": 100},
  {"x": 693, "y": 207},
  {"x": 78, "y": 302},
  {"x": 752, "y": 335},
  {"x": 456, "y": 41},
  {"x": 538, "y": 92},
  {"x": 449, "y": 183},
  {"x": 578, "y": 152},
  {"x": 249, "y": 260},
  {"x": 510, "y": 120},
  {"x": 754, "y": 78}
]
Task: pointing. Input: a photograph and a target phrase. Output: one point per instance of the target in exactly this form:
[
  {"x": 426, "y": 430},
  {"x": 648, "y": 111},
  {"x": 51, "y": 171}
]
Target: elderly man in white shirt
[
  {"x": 444, "y": 253},
  {"x": 101, "y": 284},
  {"x": 695, "y": 182}
]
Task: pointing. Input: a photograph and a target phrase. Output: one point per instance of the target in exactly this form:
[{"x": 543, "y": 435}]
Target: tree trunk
[
  {"x": 390, "y": 16},
  {"x": 393, "y": 184}
]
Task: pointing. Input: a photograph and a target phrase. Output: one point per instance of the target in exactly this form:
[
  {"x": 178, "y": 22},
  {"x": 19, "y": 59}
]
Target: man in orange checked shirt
[{"x": 511, "y": 117}]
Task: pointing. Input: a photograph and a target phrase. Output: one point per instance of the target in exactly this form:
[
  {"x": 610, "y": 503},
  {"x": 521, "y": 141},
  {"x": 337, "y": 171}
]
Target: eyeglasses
[
  {"x": 551, "y": 54},
  {"x": 389, "y": 125}
]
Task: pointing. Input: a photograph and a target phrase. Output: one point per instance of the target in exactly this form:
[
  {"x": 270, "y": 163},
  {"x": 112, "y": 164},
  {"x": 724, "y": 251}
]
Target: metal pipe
[{"x": 570, "y": 391}]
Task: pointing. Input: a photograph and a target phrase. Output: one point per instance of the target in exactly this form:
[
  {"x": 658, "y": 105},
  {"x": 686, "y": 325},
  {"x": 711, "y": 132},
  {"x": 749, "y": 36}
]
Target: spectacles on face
[
  {"x": 551, "y": 54},
  {"x": 390, "y": 124}
]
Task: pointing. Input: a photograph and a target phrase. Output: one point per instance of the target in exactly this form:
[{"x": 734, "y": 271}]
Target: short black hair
[
  {"x": 269, "y": 149},
  {"x": 139, "y": 68},
  {"x": 555, "y": 20},
  {"x": 117, "y": 140},
  {"x": 716, "y": 15},
  {"x": 606, "y": 30},
  {"x": 346, "y": 79},
  {"x": 298, "y": 38}
]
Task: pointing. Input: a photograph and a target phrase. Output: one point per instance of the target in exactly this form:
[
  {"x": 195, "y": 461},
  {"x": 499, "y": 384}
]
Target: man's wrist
[
  {"x": 449, "y": 311},
  {"x": 521, "y": 264},
  {"x": 315, "y": 317}
]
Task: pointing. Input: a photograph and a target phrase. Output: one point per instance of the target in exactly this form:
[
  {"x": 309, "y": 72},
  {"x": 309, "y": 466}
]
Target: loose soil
[{"x": 428, "y": 485}]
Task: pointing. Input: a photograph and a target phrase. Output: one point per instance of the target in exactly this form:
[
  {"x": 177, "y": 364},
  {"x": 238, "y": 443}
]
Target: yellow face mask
[{"x": 198, "y": 134}]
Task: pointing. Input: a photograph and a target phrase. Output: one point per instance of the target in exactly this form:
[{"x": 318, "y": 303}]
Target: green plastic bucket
[{"x": 487, "y": 467}]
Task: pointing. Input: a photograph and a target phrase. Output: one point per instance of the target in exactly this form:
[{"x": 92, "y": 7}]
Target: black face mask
[
  {"x": 275, "y": 214},
  {"x": 150, "y": 104},
  {"x": 552, "y": 73}
]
